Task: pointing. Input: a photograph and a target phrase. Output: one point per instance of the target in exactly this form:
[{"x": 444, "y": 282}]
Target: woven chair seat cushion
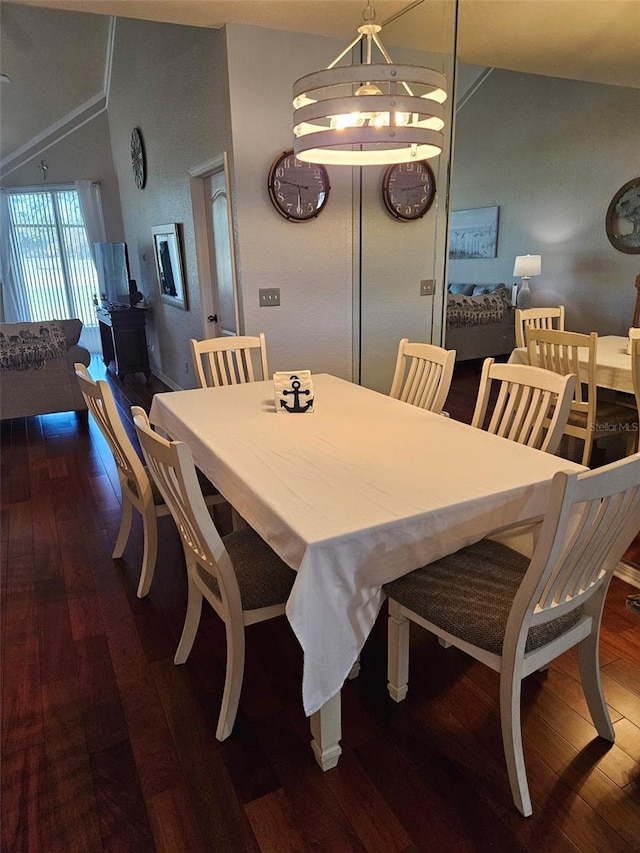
[
  {"x": 263, "y": 578},
  {"x": 606, "y": 413},
  {"x": 206, "y": 485},
  {"x": 469, "y": 594}
]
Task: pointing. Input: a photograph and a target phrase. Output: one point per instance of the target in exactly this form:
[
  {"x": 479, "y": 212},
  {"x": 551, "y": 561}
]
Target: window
[{"x": 52, "y": 257}]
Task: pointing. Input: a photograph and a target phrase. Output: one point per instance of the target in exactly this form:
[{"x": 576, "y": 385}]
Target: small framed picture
[
  {"x": 168, "y": 255},
  {"x": 474, "y": 233}
]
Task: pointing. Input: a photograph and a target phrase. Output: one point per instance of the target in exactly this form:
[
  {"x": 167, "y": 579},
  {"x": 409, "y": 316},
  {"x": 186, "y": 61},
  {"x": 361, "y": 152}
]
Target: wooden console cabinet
[{"x": 124, "y": 340}]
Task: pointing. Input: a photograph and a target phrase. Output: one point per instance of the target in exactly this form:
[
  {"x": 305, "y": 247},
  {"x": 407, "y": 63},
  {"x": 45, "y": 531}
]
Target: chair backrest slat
[
  {"x": 172, "y": 467},
  {"x": 228, "y": 360},
  {"x": 537, "y": 318},
  {"x": 560, "y": 352},
  {"x": 423, "y": 375},
  {"x": 635, "y": 369},
  {"x": 102, "y": 405},
  {"x": 531, "y": 407},
  {"x": 580, "y": 547}
]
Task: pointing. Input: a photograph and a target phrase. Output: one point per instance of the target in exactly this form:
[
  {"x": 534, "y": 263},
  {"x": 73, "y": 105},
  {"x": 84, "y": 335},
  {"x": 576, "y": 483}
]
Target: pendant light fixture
[{"x": 368, "y": 113}]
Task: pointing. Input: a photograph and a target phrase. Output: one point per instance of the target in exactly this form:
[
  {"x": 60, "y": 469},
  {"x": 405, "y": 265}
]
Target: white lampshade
[{"x": 528, "y": 265}]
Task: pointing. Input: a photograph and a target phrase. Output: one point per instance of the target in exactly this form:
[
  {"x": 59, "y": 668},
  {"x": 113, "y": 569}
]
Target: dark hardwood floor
[{"x": 107, "y": 746}]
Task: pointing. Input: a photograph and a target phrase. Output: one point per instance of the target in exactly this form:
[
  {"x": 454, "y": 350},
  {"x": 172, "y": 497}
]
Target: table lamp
[{"x": 526, "y": 266}]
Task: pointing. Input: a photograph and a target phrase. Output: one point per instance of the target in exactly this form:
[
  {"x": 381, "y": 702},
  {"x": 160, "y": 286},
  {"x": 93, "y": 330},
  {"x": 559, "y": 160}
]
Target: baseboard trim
[{"x": 628, "y": 573}]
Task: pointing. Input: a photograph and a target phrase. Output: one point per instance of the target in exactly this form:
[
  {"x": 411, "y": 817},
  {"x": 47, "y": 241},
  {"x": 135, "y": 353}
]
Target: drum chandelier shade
[{"x": 368, "y": 114}]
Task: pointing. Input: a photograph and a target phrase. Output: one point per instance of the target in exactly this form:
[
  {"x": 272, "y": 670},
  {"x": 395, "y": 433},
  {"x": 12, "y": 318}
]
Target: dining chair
[
  {"x": 537, "y": 318},
  {"x": 241, "y": 577},
  {"x": 516, "y": 614},
  {"x": 532, "y": 404},
  {"x": 137, "y": 490},
  {"x": 423, "y": 375},
  {"x": 635, "y": 378},
  {"x": 589, "y": 418},
  {"x": 228, "y": 360}
]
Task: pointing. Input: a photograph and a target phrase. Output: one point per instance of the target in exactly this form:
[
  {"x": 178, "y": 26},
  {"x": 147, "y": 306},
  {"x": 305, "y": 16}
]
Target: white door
[{"x": 216, "y": 259}]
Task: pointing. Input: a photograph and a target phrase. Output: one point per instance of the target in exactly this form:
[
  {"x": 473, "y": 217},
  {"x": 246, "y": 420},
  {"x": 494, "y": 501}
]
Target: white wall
[
  {"x": 169, "y": 81},
  {"x": 552, "y": 153},
  {"x": 309, "y": 261}
]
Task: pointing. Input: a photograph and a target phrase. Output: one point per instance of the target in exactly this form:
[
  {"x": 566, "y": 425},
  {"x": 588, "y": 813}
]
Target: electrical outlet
[
  {"x": 427, "y": 287},
  {"x": 269, "y": 296}
]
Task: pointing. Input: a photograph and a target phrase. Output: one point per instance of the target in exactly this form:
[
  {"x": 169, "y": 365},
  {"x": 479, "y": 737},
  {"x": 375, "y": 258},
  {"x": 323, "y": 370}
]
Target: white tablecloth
[
  {"x": 613, "y": 369},
  {"x": 360, "y": 492}
]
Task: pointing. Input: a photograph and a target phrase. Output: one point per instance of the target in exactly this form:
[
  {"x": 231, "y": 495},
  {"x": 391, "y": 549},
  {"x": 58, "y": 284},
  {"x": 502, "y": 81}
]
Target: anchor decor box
[{"x": 293, "y": 391}]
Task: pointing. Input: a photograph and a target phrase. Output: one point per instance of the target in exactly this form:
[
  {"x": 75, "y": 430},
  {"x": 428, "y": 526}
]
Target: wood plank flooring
[{"x": 107, "y": 746}]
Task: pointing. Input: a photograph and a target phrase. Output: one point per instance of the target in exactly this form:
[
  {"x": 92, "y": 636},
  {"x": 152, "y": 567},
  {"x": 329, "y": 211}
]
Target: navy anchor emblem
[{"x": 296, "y": 392}]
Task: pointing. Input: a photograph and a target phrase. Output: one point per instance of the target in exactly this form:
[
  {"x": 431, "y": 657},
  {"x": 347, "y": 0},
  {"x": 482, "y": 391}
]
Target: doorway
[{"x": 215, "y": 248}]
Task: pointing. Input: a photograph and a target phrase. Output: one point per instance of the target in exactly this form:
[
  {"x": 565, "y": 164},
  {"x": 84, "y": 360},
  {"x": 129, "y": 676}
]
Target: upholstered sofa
[
  {"x": 480, "y": 320},
  {"x": 36, "y": 368}
]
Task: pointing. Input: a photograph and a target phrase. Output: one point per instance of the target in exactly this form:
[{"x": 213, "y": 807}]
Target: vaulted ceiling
[{"x": 55, "y": 56}]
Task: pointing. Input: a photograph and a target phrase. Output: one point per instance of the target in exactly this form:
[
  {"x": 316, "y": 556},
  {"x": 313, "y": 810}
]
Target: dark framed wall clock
[
  {"x": 623, "y": 218},
  {"x": 138, "y": 159},
  {"x": 299, "y": 191},
  {"x": 408, "y": 190}
]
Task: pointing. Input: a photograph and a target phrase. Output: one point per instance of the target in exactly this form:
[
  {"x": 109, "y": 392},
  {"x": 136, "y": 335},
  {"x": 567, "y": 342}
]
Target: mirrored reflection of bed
[{"x": 480, "y": 320}]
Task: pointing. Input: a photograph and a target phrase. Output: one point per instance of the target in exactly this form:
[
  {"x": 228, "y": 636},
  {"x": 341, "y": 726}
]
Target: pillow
[
  {"x": 491, "y": 288},
  {"x": 480, "y": 290},
  {"x": 463, "y": 289}
]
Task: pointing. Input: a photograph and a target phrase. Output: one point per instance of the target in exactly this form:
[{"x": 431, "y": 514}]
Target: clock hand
[{"x": 292, "y": 184}]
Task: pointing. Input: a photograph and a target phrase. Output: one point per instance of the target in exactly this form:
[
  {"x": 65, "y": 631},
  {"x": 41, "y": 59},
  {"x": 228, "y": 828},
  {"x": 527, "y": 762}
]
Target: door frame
[{"x": 198, "y": 176}]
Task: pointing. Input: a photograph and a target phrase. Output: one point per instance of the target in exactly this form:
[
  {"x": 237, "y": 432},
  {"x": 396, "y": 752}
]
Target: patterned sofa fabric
[
  {"x": 37, "y": 376},
  {"x": 480, "y": 320},
  {"x": 480, "y": 309}
]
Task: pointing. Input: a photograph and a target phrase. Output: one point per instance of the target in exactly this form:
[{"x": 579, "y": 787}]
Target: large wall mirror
[{"x": 396, "y": 261}]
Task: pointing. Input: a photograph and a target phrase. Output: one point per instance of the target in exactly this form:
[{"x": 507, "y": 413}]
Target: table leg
[{"x": 326, "y": 731}]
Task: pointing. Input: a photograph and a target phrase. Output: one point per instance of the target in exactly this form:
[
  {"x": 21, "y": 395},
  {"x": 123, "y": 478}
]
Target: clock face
[
  {"x": 137, "y": 158},
  {"x": 408, "y": 190},
  {"x": 298, "y": 190}
]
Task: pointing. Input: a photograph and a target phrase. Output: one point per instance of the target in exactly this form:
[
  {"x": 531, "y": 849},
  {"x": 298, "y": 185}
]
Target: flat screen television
[{"x": 112, "y": 265}]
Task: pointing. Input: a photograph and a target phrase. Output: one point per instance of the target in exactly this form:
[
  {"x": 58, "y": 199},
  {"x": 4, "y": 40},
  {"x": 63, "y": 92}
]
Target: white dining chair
[
  {"x": 229, "y": 360},
  {"x": 423, "y": 375},
  {"x": 531, "y": 406},
  {"x": 537, "y": 318},
  {"x": 635, "y": 378},
  {"x": 241, "y": 577},
  {"x": 589, "y": 417},
  {"x": 137, "y": 490},
  {"x": 516, "y": 614}
]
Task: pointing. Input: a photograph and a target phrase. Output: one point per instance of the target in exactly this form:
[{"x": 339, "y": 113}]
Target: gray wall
[
  {"x": 552, "y": 153},
  {"x": 170, "y": 82}
]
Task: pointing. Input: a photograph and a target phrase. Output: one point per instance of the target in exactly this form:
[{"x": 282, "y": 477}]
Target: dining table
[
  {"x": 352, "y": 494},
  {"x": 613, "y": 362}
]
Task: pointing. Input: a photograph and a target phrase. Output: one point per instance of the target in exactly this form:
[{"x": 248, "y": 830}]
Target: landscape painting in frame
[{"x": 474, "y": 233}]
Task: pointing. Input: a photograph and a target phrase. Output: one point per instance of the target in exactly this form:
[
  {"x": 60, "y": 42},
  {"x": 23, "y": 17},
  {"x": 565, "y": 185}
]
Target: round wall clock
[
  {"x": 408, "y": 190},
  {"x": 137, "y": 158},
  {"x": 623, "y": 218},
  {"x": 298, "y": 191}
]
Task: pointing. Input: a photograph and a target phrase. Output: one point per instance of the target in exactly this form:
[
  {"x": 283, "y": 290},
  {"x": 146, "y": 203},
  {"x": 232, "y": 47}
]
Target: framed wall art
[
  {"x": 166, "y": 250},
  {"x": 474, "y": 233},
  {"x": 623, "y": 218}
]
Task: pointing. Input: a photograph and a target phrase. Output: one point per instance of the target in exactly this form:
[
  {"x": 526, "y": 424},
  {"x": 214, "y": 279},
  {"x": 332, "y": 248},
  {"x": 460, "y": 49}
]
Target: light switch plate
[
  {"x": 269, "y": 296},
  {"x": 427, "y": 287}
]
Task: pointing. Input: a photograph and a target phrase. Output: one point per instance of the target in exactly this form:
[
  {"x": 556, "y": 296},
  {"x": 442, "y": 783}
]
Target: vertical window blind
[{"x": 52, "y": 256}]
